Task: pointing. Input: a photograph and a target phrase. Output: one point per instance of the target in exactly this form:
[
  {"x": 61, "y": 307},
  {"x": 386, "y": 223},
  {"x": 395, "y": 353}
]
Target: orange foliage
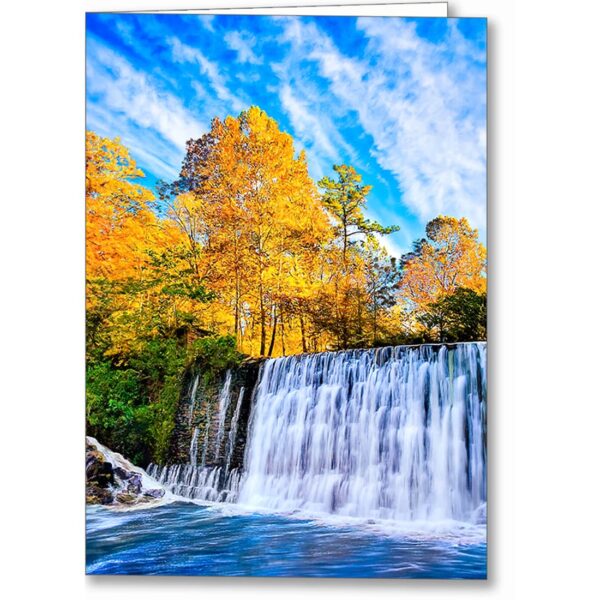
[
  {"x": 451, "y": 257},
  {"x": 248, "y": 247}
]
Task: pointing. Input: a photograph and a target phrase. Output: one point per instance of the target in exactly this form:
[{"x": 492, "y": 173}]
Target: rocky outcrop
[
  {"x": 113, "y": 481},
  {"x": 202, "y": 412}
]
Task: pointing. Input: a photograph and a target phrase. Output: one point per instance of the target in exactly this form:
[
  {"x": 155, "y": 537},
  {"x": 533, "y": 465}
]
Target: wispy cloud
[
  {"x": 207, "y": 21},
  {"x": 423, "y": 105},
  {"x": 317, "y": 135},
  {"x": 308, "y": 108},
  {"x": 131, "y": 93},
  {"x": 151, "y": 152},
  {"x": 243, "y": 43},
  {"x": 427, "y": 117}
]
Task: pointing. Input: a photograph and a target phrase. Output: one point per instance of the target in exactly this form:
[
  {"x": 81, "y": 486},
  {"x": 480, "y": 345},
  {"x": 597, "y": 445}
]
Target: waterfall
[
  {"x": 193, "y": 397},
  {"x": 194, "y": 447},
  {"x": 197, "y": 483},
  {"x": 233, "y": 430},
  {"x": 390, "y": 433},
  {"x": 393, "y": 433},
  {"x": 224, "y": 400}
]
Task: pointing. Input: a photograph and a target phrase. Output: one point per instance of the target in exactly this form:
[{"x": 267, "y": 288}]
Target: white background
[{"x": 543, "y": 239}]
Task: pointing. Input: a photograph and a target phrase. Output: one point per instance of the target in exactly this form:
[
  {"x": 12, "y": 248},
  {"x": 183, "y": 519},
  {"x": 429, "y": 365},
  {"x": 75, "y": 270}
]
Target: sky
[{"x": 402, "y": 100}]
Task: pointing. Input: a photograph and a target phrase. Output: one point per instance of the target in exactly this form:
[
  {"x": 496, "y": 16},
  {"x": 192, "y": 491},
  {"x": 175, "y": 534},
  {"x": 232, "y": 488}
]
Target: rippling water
[{"x": 190, "y": 539}]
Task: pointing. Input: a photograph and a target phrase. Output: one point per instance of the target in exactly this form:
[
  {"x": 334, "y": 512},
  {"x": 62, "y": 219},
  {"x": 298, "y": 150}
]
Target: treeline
[{"x": 245, "y": 254}]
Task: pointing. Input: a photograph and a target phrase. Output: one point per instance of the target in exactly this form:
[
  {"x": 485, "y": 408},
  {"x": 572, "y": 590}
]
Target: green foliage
[
  {"x": 458, "y": 317},
  {"x": 215, "y": 354},
  {"x": 116, "y": 412},
  {"x": 345, "y": 200},
  {"x": 132, "y": 403},
  {"x": 363, "y": 278}
]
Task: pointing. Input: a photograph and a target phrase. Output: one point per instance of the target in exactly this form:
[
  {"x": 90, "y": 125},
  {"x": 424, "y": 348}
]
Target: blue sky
[{"x": 402, "y": 100}]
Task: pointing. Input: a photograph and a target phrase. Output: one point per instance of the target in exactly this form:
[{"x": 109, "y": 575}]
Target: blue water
[{"x": 188, "y": 539}]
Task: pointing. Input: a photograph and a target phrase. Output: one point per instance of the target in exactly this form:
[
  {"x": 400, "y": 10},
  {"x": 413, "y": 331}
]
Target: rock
[
  {"x": 98, "y": 471},
  {"x": 92, "y": 456},
  {"x": 157, "y": 493},
  {"x": 97, "y": 495},
  {"x": 126, "y": 498},
  {"x": 134, "y": 483},
  {"x": 121, "y": 473},
  {"x": 113, "y": 480}
]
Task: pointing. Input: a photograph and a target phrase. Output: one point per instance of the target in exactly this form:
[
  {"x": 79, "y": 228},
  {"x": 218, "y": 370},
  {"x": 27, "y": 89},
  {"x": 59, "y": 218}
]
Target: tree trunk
[
  {"x": 237, "y": 305},
  {"x": 302, "y": 331},
  {"x": 282, "y": 330},
  {"x": 375, "y": 324},
  {"x": 273, "y": 333},
  {"x": 263, "y": 319}
]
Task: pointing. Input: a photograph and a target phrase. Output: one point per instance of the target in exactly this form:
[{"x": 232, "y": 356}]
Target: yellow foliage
[
  {"x": 248, "y": 247},
  {"x": 449, "y": 258}
]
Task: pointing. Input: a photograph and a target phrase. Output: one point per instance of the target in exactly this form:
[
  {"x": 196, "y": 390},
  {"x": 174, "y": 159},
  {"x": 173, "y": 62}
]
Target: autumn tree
[
  {"x": 118, "y": 218},
  {"x": 449, "y": 258},
  {"x": 262, "y": 223},
  {"x": 120, "y": 225}
]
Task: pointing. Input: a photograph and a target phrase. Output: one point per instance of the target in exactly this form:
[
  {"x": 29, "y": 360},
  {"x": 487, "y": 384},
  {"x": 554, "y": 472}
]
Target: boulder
[
  {"x": 157, "y": 493},
  {"x": 121, "y": 473},
  {"x": 98, "y": 471},
  {"x": 134, "y": 483},
  {"x": 97, "y": 495},
  {"x": 113, "y": 480},
  {"x": 126, "y": 498}
]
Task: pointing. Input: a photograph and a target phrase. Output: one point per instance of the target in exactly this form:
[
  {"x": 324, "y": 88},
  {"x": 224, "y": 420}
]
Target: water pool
[{"x": 190, "y": 539}]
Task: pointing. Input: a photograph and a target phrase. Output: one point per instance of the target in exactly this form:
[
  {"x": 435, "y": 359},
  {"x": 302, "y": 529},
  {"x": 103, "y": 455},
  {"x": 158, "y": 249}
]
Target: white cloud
[
  {"x": 310, "y": 112},
  {"x": 422, "y": 103},
  {"x": 308, "y": 127},
  {"x": 243, "y": 44},
  {"x": 153, "y": 154},
  {"x": 131, "y": 94},
  {"x": 312, "y": 126},
  {"x": 126, "y": 31},
  {"x": 207, "y": 22}
]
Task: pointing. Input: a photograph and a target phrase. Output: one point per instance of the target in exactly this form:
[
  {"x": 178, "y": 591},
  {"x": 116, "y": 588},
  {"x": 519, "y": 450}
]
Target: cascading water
[
  {"x": 206, "y": 432},
  {"x": 385, "y": 447},
  {"x": 224, "y": 400},
  {"x": 215, "y": 483},
  {"x": 193, "y": 397},
  {"x": 392, "y": 433},
  {"x": 233, "y": 430},
  {"x": 194, "y": 447},
  {"x": 197, "y": 483}
]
